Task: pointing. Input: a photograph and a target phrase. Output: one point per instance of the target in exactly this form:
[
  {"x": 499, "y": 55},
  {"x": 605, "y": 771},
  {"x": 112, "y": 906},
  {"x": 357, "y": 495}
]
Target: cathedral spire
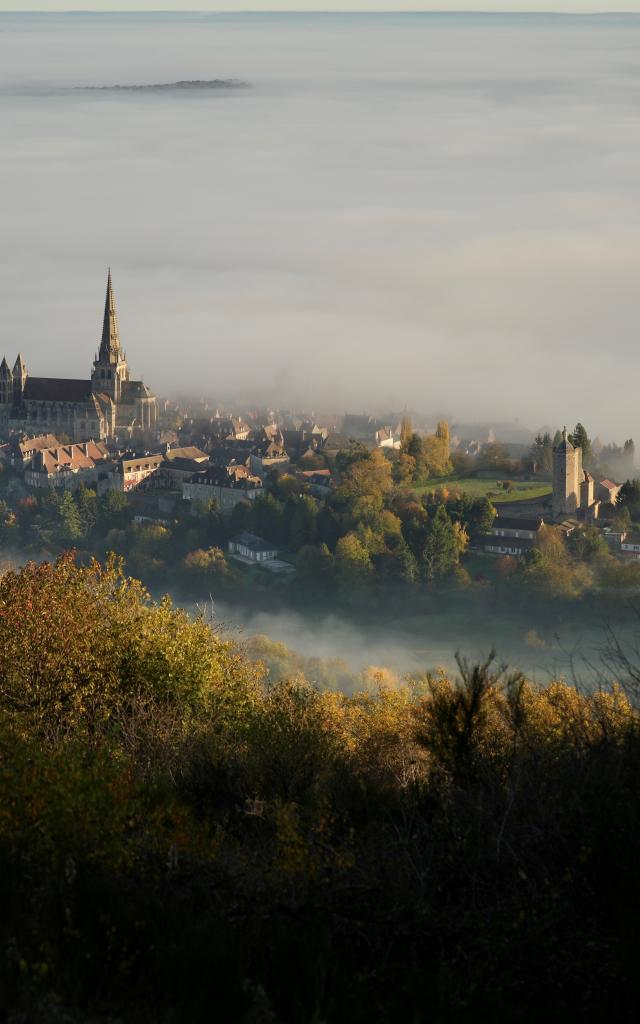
[{"x": 110, "y": 351}]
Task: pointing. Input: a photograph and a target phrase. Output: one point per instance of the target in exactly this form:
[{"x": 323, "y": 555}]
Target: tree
[
  {"x": 242, "y": 518},
  {"x": 396, "y": 563},
  {"x": 71, "y": 526},
  {"x": 328, "y": 527},
  {"x": 441, "y": 551},
  {"x": 267, "y": 517},
  {"x": 443, "y": 433},
  {"x": 366, "y": 476},
  {"x": 315, "y": 565},
  {"x": 206, "y": 567},
  {"x": 435, "y": 453},
  {"x": 629, "y": 498},
  {"x": 587, "y": 544},
  {"x": 495, "y": 456},
  {"x": 580, "y": 439},
  {"x": 406, "y": 430},
  {"x": 404, "y": 469},
  {"x": 352, "y": 560},
  {"x": 476, "y": 515},
  {"x": 630, "y": 455},
  {"x": 302, "y": 528},
  {"x": 542, "y": 453}
]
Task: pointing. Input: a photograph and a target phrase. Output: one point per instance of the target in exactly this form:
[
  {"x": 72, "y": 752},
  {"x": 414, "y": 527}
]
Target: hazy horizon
[
  {"x": 435, "y": 212},
  {"x": 330, "y": 6}
]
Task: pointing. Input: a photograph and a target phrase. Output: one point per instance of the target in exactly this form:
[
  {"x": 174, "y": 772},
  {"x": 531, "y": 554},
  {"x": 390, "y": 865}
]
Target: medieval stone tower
[
  {"x": 6, "y": 384},
  {"x": 19, "y": 379},
  {"x": 568, "y": 478},
  {"x": 110, "y": 370}
]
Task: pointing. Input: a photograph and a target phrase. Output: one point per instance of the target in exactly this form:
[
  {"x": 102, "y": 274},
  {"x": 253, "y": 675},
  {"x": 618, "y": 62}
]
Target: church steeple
[
  {"x": 110, "y": 370},
  {"x": 110, "y": 350}
]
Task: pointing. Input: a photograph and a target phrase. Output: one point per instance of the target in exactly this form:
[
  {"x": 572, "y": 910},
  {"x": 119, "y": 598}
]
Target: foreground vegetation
[{"x": 181, "y": 841}]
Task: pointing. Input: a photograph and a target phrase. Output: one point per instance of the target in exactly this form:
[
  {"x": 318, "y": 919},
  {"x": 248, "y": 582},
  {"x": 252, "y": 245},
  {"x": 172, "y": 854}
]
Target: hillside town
[{"x": 110, "y": 433}]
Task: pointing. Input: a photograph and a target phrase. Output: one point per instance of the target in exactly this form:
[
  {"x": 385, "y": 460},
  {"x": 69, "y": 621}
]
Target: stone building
[
  {"x": 573, "y": 488},
  {"x": 106, "y": 406}
]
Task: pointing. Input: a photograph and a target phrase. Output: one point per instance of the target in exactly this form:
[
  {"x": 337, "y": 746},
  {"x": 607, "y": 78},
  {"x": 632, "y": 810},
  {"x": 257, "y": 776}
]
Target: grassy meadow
[{"x": 522, "y": 490}]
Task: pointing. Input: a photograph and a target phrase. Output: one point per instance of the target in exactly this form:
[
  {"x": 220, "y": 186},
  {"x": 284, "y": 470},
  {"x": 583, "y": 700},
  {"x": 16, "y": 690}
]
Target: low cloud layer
[{"x": 436, "y": 212}]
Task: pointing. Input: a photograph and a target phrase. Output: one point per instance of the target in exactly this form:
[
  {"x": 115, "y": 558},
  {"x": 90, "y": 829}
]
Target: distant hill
[{"x": 184, "y": 86}]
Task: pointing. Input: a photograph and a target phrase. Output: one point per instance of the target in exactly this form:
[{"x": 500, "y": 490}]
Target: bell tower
[
  {"x": 19, "y": 379},
  {"x": 567, "y": 478},
  {"x": 110, "y": 368}
]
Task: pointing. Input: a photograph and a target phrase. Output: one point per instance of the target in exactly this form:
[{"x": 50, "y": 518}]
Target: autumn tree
[
  {"x": 352, "y": 561},
  {"x": 367, "y": 476}
]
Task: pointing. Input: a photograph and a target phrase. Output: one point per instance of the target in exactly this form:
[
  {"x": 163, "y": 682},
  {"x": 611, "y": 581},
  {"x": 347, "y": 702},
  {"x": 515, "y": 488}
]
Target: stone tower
[
  {"x": 110, "y": 368},
  {"x": 6, "y": 383},
  {"x": 568, "y": 477},
  {"x": 19, "y": 379}
]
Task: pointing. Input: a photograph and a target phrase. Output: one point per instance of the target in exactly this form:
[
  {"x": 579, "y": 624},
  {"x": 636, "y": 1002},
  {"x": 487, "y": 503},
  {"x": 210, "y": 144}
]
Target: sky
[
  {"x": 569, "y": 6},
  {"x": 429, "y": 213}
]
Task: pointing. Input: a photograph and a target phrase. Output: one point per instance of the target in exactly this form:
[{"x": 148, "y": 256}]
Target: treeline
[
  {"x": 370, "y": 539},
  {"x": 603, "y": 460},
  {"x": 370, "y": 531},
  {"x": 182, "y": 841}
]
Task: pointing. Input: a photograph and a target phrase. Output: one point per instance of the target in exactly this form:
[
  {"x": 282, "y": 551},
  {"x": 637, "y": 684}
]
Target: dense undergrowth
[{"x": 180, "y": 841}]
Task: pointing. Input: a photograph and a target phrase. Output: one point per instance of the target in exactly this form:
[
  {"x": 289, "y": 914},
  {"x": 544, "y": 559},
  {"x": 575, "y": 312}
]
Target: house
[
  {"x": 137, "y": 472},
  {"x": 268, "y": 456},
  {"x": 180, "y": 464},
  {"x": 630, "y": 546},
  {"x": 512, "y": 536},
  {"x": 335, "y": 443},
  {"x": 21, "y": 451},
  {"x": 360, "y": 427},
  {"x": 231, "y": 453},
  {"x": 68, "y": 466},
  {"x": 188, "y": 452},
  {"x": 250, "y": 548},
  {"x": 230, "y": 429},
  {"x": 608, "y": 491},
  {"x": 386, "y": 437},
  {"x": 226, "y": 485},
  {"x": 318, "y": 481}
]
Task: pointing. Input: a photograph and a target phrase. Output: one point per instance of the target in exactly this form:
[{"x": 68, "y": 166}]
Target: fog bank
[{"x": 436, "y": 211}]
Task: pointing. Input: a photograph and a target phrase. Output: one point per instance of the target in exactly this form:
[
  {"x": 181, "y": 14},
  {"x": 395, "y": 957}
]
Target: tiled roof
[
  {"x": 190, "y": 452},
  {"x": 71, "y": 457},
  {"x": 36, "y": 444}
]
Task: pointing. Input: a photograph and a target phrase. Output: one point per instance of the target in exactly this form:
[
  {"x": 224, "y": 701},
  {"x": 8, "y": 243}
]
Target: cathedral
[{"x": 110, "y": 405}]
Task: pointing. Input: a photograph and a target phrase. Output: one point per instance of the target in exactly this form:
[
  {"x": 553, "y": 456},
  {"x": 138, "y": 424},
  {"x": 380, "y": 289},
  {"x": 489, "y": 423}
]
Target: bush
[{"x": 181, "y": 841}]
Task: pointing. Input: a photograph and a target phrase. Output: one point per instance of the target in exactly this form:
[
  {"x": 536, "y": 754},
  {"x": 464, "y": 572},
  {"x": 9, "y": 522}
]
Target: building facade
[{"x": 106, "y": 406}]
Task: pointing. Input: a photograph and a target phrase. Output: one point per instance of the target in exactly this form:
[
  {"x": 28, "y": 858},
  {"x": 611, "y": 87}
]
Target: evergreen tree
[
  {"x": 580, "y": 439},
  {"x": 71, "y": 527},
  {"x": 406, "y": 431},
  {"x": 630, "y": 455},
  {"x": 441, "y": 549},
  {"x": 629, "y": 497},
  {"x": 302, "y": 528}
]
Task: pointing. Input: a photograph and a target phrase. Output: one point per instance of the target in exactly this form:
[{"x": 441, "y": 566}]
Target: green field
[{"x": 522, "y": 489}]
